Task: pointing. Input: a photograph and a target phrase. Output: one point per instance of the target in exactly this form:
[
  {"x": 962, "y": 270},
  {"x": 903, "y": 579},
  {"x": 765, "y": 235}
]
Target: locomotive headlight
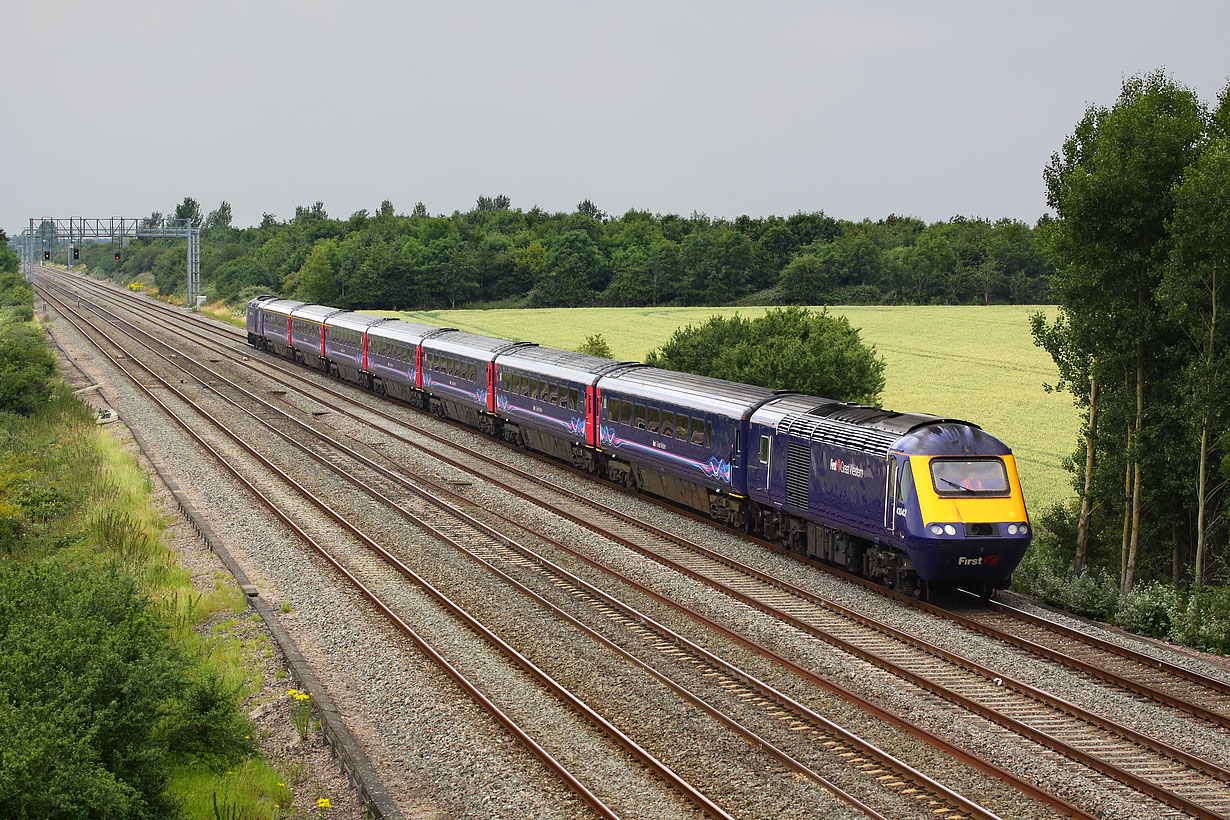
[
  {"x": 1023, "y": 530},
  {"x": 936, "y": 529},
  {"x": 1012, "y": 529},
  {"x": 949, "y": 529}
]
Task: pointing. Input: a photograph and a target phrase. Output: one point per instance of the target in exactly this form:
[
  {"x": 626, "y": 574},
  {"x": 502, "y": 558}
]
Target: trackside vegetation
[
  {"x": 791, "y": 349},
  {"x": 499, "y": 255},
  {"x": 1141, "y": 247},
  {"x": 111, "y": 704}
]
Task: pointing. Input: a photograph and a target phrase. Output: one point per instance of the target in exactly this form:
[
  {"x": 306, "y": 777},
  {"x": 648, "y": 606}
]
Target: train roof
[
  {"x": 315, "y": 313},
  {"x": 700, "y": 392},
  {"x": 869, "y": 429},
  {"x": 399, "y": 330},
  {"x": 562, "y": 364},
  {"x": 472, "y": 345},
  {"x": 350, "y": 320},
  {"x": 283, "y": 306}
]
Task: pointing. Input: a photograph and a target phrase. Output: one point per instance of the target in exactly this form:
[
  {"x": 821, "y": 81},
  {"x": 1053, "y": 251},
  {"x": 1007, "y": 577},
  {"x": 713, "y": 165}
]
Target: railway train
[{"x": 915, "y": 501}]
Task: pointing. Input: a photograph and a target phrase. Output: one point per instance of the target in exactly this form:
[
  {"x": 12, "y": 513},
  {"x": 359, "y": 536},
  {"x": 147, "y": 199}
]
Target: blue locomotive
[{"x": 910, "y": 499}]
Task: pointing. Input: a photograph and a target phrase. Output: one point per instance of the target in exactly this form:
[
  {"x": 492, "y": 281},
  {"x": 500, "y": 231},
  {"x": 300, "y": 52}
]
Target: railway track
[
  {"x": 1183, "y": 781},
  {"x": 358, "y": 571},
  {"x": 1148, "y": 676},
  {"x": 796, "y": 723}
]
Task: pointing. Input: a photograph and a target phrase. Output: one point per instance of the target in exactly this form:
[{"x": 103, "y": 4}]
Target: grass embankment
[
  {"x": 112, "y": 702},
  {"x": 973, "y": 363}
]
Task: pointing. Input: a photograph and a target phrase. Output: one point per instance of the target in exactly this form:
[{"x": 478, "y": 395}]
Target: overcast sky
[{"x": 929, "y": 109}]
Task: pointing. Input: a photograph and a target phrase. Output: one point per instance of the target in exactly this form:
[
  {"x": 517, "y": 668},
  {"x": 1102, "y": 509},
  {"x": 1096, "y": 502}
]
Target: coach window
[
  {"x": 764, "y": 449},
  {"x": 525, "y": 385},
  {"x": 553, "y": 395},
  {"x": 638, "y": 420},
  {"x": 698, "y": 431},
  {"x": 574, "y": 398},
  {"x": 668, "y": 424},
  {"x": 708, "y": 434},
  {"x": 655, "y": 419},
  {"x": 681, "y": 427}
]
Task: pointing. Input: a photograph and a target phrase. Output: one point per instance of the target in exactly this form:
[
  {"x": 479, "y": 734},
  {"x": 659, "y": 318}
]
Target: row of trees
[
  {"x": 1142, "y": 246},
  {"x": 498, "y": 254}
]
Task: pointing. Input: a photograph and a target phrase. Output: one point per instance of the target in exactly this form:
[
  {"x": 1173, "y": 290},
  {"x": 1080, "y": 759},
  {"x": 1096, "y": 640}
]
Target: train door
[
  {"x": 890, "y": 492},
  {"x": 759, "y": 461},
  {"x": 591, "y": 415}
]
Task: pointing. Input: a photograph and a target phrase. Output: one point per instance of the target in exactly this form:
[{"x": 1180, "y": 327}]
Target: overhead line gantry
[{"x": 44, "y": 235}]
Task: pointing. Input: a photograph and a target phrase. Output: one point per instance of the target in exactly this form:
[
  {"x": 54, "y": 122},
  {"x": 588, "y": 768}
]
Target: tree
[
  {"x": 315, "y": 281},
  {"x": 807, "y": 280},
  {"x": 219, "y": 218},
  {"x": 632, "y": 279},
  {"x": 573, "y": 269},
  {"x": 9, "y": 260},
  {"x": 489, "y": 204},
  {"x": 1113, "y": 186},
  {"x": 1195, "y": 294},
  {"x": 589, "y": 209},
  {"x": 189, "y": 209},
  {"x": 791, "y": 349}
]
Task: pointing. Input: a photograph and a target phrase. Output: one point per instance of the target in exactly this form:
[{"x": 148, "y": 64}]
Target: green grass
[
  {"x": 86, "y": 501},
  {"x": 975, "y": 363}
]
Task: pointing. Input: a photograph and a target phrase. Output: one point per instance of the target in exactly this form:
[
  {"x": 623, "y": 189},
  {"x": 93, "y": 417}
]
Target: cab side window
[
  {"x": 905, "y": 483},
  {"x": 764, "y": 449}
]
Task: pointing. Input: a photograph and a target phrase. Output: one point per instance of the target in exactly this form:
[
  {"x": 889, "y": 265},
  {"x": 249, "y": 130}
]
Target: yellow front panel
[{"x": 971, "y": 510}]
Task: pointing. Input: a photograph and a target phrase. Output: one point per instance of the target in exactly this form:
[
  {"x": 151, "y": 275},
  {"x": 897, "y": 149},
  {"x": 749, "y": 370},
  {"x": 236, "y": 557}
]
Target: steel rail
[
  {"x": 472, "y": 690},
  {"x": 1093, "y": 641},
  {"x": 981, "y": 765},
  {"x": 1055, "y": 702},
  {"x": 972, "y": 808}
]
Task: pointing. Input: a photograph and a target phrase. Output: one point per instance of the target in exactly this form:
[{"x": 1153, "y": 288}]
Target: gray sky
[{"x": 929, "y": 109}]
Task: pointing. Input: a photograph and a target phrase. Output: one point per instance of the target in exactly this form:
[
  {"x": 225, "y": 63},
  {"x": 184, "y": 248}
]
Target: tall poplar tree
[{"x": 1112, "y": 186}]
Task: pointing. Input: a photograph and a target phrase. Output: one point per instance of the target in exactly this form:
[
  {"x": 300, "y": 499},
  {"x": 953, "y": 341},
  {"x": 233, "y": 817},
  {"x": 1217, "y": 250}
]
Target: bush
[
  {"x": 788, "y": 349},
  {"x": 1147, "y": 610},
  {"x": 206, "y": 724},
  {"x": 1203, "y": 622},
  {"x": 1046, "y": 577},
  {"x": 26, "y": 368},
  {"x": 84, "y": 669},
  {"x": 1095, "y": 594},
  {"x": 595, "y": 345}
]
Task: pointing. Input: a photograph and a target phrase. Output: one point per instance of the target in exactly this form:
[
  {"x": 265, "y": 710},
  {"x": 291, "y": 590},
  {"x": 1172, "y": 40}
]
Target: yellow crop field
[{"x": 973, "y": 363}]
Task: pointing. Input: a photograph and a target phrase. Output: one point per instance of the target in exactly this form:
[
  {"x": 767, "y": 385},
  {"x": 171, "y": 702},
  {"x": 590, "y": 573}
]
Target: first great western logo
[{"x": 845, "y": 468}]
